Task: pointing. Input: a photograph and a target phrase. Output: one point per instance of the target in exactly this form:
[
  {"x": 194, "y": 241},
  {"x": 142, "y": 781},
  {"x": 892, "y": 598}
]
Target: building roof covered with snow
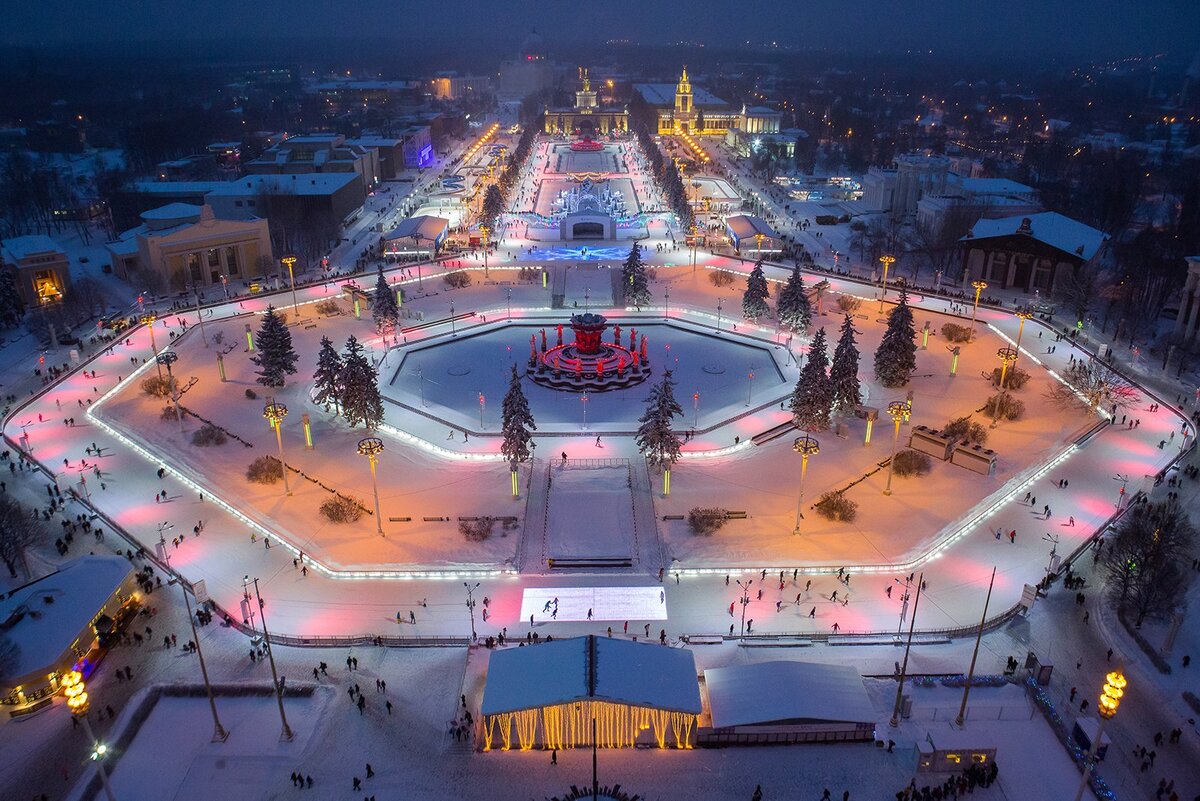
[
  {"x": 767, "y": 693},
  {"x": 424, "y": 227},
  {"x": 591, "y": 668},
  {"x": 1080, "y": 241}
]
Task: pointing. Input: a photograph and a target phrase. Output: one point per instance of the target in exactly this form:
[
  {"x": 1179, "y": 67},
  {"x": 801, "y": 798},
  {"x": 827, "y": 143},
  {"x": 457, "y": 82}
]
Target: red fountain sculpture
[{"x": 589, "y": 363}]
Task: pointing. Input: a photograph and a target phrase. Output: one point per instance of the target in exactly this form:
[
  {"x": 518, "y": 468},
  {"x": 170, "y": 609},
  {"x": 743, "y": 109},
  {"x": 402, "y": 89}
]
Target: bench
[
  {"x": 735, "y": 515},
  {"x": 399, "y": 519},
  {"x": 773, "y": 433},
  {"x": 703, "y": 640},
  {"x": 595, "y": 561},
  {"x": 436, "y": 519},
  {"x": 672, "y": 517}
]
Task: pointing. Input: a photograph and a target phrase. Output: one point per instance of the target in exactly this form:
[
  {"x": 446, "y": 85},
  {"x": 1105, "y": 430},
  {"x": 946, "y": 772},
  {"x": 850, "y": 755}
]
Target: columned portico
[{"x": 1188, "y": 320}]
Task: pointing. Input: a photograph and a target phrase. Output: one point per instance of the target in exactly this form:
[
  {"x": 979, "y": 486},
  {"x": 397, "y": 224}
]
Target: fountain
[{"x": 589, "y": 363}]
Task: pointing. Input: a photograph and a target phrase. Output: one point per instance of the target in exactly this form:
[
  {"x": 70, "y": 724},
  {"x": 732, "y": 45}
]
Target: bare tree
[
  {"x": 1077, "y": 290},
  {"x": 1144, "y": 560},
  {"x": 10, "y": 654},
  {"x": 19, "y": 530},
  {"x": 1093, "y": 385}
]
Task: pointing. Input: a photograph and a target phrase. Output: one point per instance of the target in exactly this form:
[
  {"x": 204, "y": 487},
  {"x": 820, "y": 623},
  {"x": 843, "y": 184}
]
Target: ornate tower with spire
[
  {"x": 685, "y": 109},
  {"x": 585, "y": 98}
]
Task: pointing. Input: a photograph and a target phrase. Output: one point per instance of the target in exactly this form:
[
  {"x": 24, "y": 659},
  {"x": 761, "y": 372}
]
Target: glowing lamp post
[
  {"x": 583, "y": 404},
  {"x": 887, "y": 261},
  {"x": 286, "y": 735},
  {"x": 289, "y": 261},
  {"x": 979, "y": 287},
  {"x": 77, "y": 701},
  {"x": 1110, "y": 699},
  {"x": 695, "y": 409},
  {"x": 166, "y": 359},
  {"x": 485, "y": 230},
  {"x": 806, "y": 446},
  {"x": 1007, "y": 356},
  {"x": 148, "y": 320},
  {"x": 371, "y": 447},
  {"x": 1022, "y": 314},
  {"x": 274, "y": 414},
  {"x": 482, "y": 403},
  {"x": 899, "y": 411},
  {"x": 719, "y": 302}
]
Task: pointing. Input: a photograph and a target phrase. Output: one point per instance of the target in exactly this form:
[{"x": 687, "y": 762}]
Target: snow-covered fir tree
[
  {"x": 384, "y": 309},
  {"x": 812, "y": 399},
  {"x": 493, "y": 207},
  {"x": 634, "y": 279},
  {"x": 12, "y": 307},
  {"x": 843, "y": 373},
  {"x": 896, "y": 356},
  {"x": 656, "y": 439},
  {"x": 328, "y": 376},
  {"x": 361, "y": 402},
  {"x": 516, "y": 423},
  {"x": 754, "y": 299},
  {"x": 792, "y": 307},
  {"x": 276, "y": 359}
]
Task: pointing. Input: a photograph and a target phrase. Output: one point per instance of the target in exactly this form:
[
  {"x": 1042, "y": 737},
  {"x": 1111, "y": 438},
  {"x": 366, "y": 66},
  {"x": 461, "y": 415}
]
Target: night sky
[{"x": 1076, "y": 28}]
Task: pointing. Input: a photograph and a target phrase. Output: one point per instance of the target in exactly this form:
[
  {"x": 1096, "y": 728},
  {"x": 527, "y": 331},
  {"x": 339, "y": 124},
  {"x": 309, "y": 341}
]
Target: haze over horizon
[{"x": 1102, "y": 29}]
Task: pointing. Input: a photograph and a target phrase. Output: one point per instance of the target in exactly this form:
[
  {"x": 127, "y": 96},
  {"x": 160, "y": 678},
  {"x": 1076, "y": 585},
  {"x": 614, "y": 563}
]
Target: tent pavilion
[
  {"x": 552, "y": 692},
  {"x": 419, "y": 236},
  {"x": 750, "y": 231},
  {"x": 787, "y": 702}
]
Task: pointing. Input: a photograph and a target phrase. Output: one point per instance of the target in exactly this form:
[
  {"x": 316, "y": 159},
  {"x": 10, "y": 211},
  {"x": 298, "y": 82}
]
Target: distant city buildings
[{"x": 528, "y": 74}]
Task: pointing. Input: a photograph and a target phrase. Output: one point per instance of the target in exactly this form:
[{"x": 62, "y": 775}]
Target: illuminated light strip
[
  {"x": 320, "y": 567},
  {"x": 1103, "y": 413}
]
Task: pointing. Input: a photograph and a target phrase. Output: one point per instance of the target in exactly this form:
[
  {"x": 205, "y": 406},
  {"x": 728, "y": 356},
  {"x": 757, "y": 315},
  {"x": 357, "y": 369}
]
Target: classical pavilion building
[{"x": 588, "y": 117}]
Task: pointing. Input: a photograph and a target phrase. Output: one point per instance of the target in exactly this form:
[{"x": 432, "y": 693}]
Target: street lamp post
[
  {"x": 899, "y": 411},
  {"x": 806, "y": 446},
  {"x": 1124, "y": 479},
  {"x": 286, "y": 735},
  {"x": 166, "y": 359},
  {"x": 289, "y": 261},
  {"x": 274, "y": 413},
  {"x": 1110, "y": 699},
  {"x": 371, "y": 447},
  {"x": 719, "y": 302},
  {"x": 471, "y": 607},
  {"x": 666, "y": 302},
  {"x": 745, "y": 600},
  {"x": 199, "y": 314},
  {"x": 979, "y": 287},
  {"x": 895, "y": 721},
  {"x": 148, "y": 320},
  {"x": 695, "y": 409},
  {"x": 1022, "y": 314},
  {"x": 508, "y": 299},
  {"x": 888, "y": 261},
  {"x": 485, "y": 230},
  {"x": 583, "y": 403},
  {"x": 1053, "y": 540},
  {"x": 220, "y": 734},
  {"x": 907, "y": 584},
  {"x": 77, "y": 702},
  {"x": 1007, "y": 356}
]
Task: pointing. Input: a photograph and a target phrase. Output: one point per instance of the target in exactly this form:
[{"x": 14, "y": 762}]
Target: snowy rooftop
[
  {"x": 745, "y": 226},
  {"x": 173, "y": 211},
  {"x": 1050, "y": 228},
  {"x": 773, "y": 692},
  {"x": 663, "y": 94},
  {"x": 624, "y": 672},
  {"x": 424, "y": 226},
  {"x": 309, "y": 184},
  {"x": 44, "y": 617},
  {"x": 994, "y": 186},
  {"x": 22, "y": 247}
]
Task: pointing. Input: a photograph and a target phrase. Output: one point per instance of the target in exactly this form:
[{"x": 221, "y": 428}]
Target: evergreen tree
[
  {"x": 276, "y": 359},
  {"x": 12, "y": 307},
  {"x": 327, "y": 379},
  {"x": 633, "y": 278},
  {"x": 384, "y": 309},
  {"x": 493, "y": 207},
  {"x": 656, "y": 440},
  {"x": 754, "y": 299},
  {"x": 896, "y": 357},
  {"x": 793, "y": 308},
  {"x": 843, "y": 374},
  {"x": 812, "y": 399},
  {"x": 516, "y": 423},
  {"x": 361, "y": 402}
]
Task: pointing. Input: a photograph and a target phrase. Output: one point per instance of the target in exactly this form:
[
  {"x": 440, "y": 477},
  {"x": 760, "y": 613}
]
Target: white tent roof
[
  {"x": 591, "y": 668},
  {"x": 774, "y": 692},
  {"x": 746, "y": 226},
  {"x": 426, "y": 227}
]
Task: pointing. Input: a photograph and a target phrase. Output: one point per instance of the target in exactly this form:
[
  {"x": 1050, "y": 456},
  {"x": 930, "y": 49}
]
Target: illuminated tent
[
  {"x": 548, "y": 695},
  {"x": 748, "y": 230},
  {"x": 417, "y": 235}
]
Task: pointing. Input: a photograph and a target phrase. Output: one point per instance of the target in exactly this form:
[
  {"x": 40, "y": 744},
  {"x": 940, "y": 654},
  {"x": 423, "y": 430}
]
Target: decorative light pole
[
  {"x": 888, "y": 261},
  {"x": 289, "y": 261},
  {"x": 371, "y": 447},
  {"x": 979, "y": 287},
  {"x": 806, "y": 446},
  {"x": 1007, "y": 356},
  {"x": 77, "y": 701},
  {"x": 899, "y": 411},
  {"x": 719, "y": 302},
  {"x": 1022, "y": 314},
  {"x": 695, "y": 409},
  {"x": 274, "y": 413},
  {"x": 166, "y": 359},
  {"x": 583, "y": 404},
  {"x": 666, "y": 302},
  {"x": 745, "y": 600},
  {"x": 471, "y": 607},
  {"x": 895, "y": 721},
  {"x": 485, "y": 230},
  {"x": 220, "y": 735},
  {"x": 199, "y": 314},
  {"x": 1110, "y": 699},
  {"x": 286, "y": 736},
  {"x": 148, "y": 320}
]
